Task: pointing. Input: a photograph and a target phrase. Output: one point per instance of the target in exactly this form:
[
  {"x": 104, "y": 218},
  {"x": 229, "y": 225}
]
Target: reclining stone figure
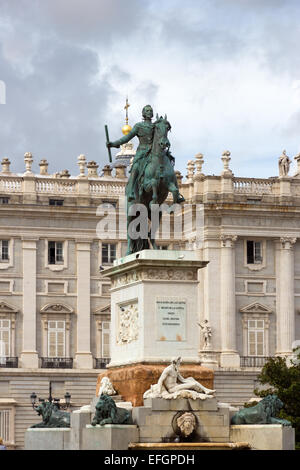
[{"x": 171, "y": 384}]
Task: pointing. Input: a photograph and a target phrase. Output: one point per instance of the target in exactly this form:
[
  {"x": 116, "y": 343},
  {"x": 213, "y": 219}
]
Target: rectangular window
[
  {"x": 105, "y": 339},
  {"x": 5, "y": 428},
  {"x": 4, "y": 250},
  {"x": 55, "y": 252},
  {"x": 108, "y": 253},
  {"x": 4, "y": 200},
  {"x": 254, "y": 252},
  {"x": 56, "y": 338},
  {"x": 256, "y": 336},
  {"x": 56, "y": 202},
  {"x": 4, "y": 338}
]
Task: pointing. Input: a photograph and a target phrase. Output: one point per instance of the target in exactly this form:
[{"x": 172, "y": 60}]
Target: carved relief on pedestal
[
  {"x": 128, "y": 324},
  {"x": 166, "y": 274}
]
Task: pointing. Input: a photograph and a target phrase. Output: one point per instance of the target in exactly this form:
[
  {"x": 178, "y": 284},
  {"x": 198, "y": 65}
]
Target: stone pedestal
[
  {"x": 47, "y": 439},
  {"x": 154, "y": 307},
  {"x": 109, "y": 437},
  {"x": 264, "y": 436},
  {"x": 156, "y": 416},
  {"x": 154, "y": 317}
]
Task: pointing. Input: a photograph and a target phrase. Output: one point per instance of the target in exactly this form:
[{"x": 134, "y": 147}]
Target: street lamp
[{"x": 55, "y": 401}]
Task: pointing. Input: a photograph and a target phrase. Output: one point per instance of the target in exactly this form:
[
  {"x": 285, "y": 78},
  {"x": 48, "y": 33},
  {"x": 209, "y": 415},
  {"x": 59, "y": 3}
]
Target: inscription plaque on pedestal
[{"x": 171, "y": 319}]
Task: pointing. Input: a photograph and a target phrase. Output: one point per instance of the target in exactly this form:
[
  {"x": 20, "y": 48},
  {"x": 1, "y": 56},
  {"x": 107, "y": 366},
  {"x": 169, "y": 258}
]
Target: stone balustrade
[
  {"x": 59, "y": 186},
  {"x": 11, "y": 184},
  {"x": 253, "y": 186},
  {"x": 64, "y": 184},
  {"x": 52, "y": 186}
]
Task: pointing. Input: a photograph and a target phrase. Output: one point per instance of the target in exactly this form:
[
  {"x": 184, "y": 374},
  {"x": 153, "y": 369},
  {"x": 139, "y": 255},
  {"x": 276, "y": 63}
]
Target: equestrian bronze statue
[{"x": 152, "y": 175}]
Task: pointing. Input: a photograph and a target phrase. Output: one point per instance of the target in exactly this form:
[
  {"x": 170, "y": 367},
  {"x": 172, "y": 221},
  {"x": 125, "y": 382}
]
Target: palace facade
[{"x": 55, "y": 302}]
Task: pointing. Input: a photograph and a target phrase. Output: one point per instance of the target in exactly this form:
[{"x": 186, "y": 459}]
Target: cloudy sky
[{"x": 226, "y": 72}]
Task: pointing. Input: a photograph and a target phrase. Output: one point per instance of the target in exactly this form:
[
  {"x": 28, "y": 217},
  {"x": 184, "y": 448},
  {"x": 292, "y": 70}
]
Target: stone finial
[
  {"x": 43, "y": 167},
  {"x": 120, "y": 170},
  {"x": 92, "y": 169},
  {"x": 226, "y": 159},
  {"x": 107, "y": 170},
  {"x": 297, "y": 158},
  {"x": 284, "y": 164},
  {"x": 5, "y": 165},
  {"x": 179, "y": 177},
  {"x": 190, "y": 169},
  {"x": 82, "y": 164},
  {"x": 28, "y": 162},
  {"x": 65, "y": 174},
  {"x": 199, "y": 163}
]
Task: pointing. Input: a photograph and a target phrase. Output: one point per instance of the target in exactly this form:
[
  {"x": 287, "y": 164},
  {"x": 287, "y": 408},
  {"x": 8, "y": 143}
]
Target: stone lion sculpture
[
  {"x": 186, "y": 423},
  {"x": 108, "y": 413},
  {"x": 52, "y": 416},
  {"x": 263, "y": 413}
]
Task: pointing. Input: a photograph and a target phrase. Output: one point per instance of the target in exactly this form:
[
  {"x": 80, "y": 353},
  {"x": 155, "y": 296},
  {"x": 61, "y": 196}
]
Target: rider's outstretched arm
[{"x": 126, "y": 138}]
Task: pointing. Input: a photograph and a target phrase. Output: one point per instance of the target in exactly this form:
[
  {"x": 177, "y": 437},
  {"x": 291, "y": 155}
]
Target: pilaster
[
  {"x": 229, "y": 356},
  {"x": 29, "y": 355},
  {"x": 83, "y": 356},
  {"x": 286, "y": 310}
]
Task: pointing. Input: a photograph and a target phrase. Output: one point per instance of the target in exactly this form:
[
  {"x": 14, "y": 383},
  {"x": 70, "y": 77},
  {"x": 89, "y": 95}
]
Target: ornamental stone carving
[
  {"x": 284, "y": 163},
  {"x": 128, "y": 324},
  {"x": 287, "y": 242},
  {"x": 186, "y": 423},
  {"x": 166, "y": 274},
  {"x": 206, "y": 333},
  {"x": 106, "y": 387},
  {"x": 228, "y": 240}
]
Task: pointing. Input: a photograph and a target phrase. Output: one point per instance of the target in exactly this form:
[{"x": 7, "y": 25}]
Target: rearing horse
[{"x": 156, "y": 179}]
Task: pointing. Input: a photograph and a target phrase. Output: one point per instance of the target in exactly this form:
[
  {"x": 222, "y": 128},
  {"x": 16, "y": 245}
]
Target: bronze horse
[{"x": 156, "y": 179}]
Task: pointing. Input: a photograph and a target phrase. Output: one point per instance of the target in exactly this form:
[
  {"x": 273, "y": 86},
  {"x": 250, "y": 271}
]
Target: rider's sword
[{"x": 107, "y": 140}]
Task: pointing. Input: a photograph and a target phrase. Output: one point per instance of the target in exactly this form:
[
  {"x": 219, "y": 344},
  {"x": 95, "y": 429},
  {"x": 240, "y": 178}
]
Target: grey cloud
[
  {"x": 57, "y": 112},
  {"x": 84, "y": 21}
]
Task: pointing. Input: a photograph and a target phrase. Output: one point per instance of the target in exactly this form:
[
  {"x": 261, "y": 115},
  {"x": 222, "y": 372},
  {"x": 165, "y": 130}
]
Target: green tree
[{"x": 284, "y": 381}]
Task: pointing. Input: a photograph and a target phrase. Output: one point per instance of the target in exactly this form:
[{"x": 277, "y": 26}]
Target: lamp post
[{"x": 55, "y": 401}]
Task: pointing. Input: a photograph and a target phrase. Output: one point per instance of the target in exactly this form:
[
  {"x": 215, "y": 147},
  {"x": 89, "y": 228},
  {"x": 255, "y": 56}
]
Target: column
[
  {"x": 229, "y": 356},
  {"x": 83, "y": 356},
  {"x": 286, "y": 312},
  {"x": 29, "y": 355},
  {"x": 209, "y": 295}
]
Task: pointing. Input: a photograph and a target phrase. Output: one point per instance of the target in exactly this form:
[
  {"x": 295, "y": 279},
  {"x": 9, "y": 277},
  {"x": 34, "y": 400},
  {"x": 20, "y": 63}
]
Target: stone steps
[{"x": 235, "y": 388}]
